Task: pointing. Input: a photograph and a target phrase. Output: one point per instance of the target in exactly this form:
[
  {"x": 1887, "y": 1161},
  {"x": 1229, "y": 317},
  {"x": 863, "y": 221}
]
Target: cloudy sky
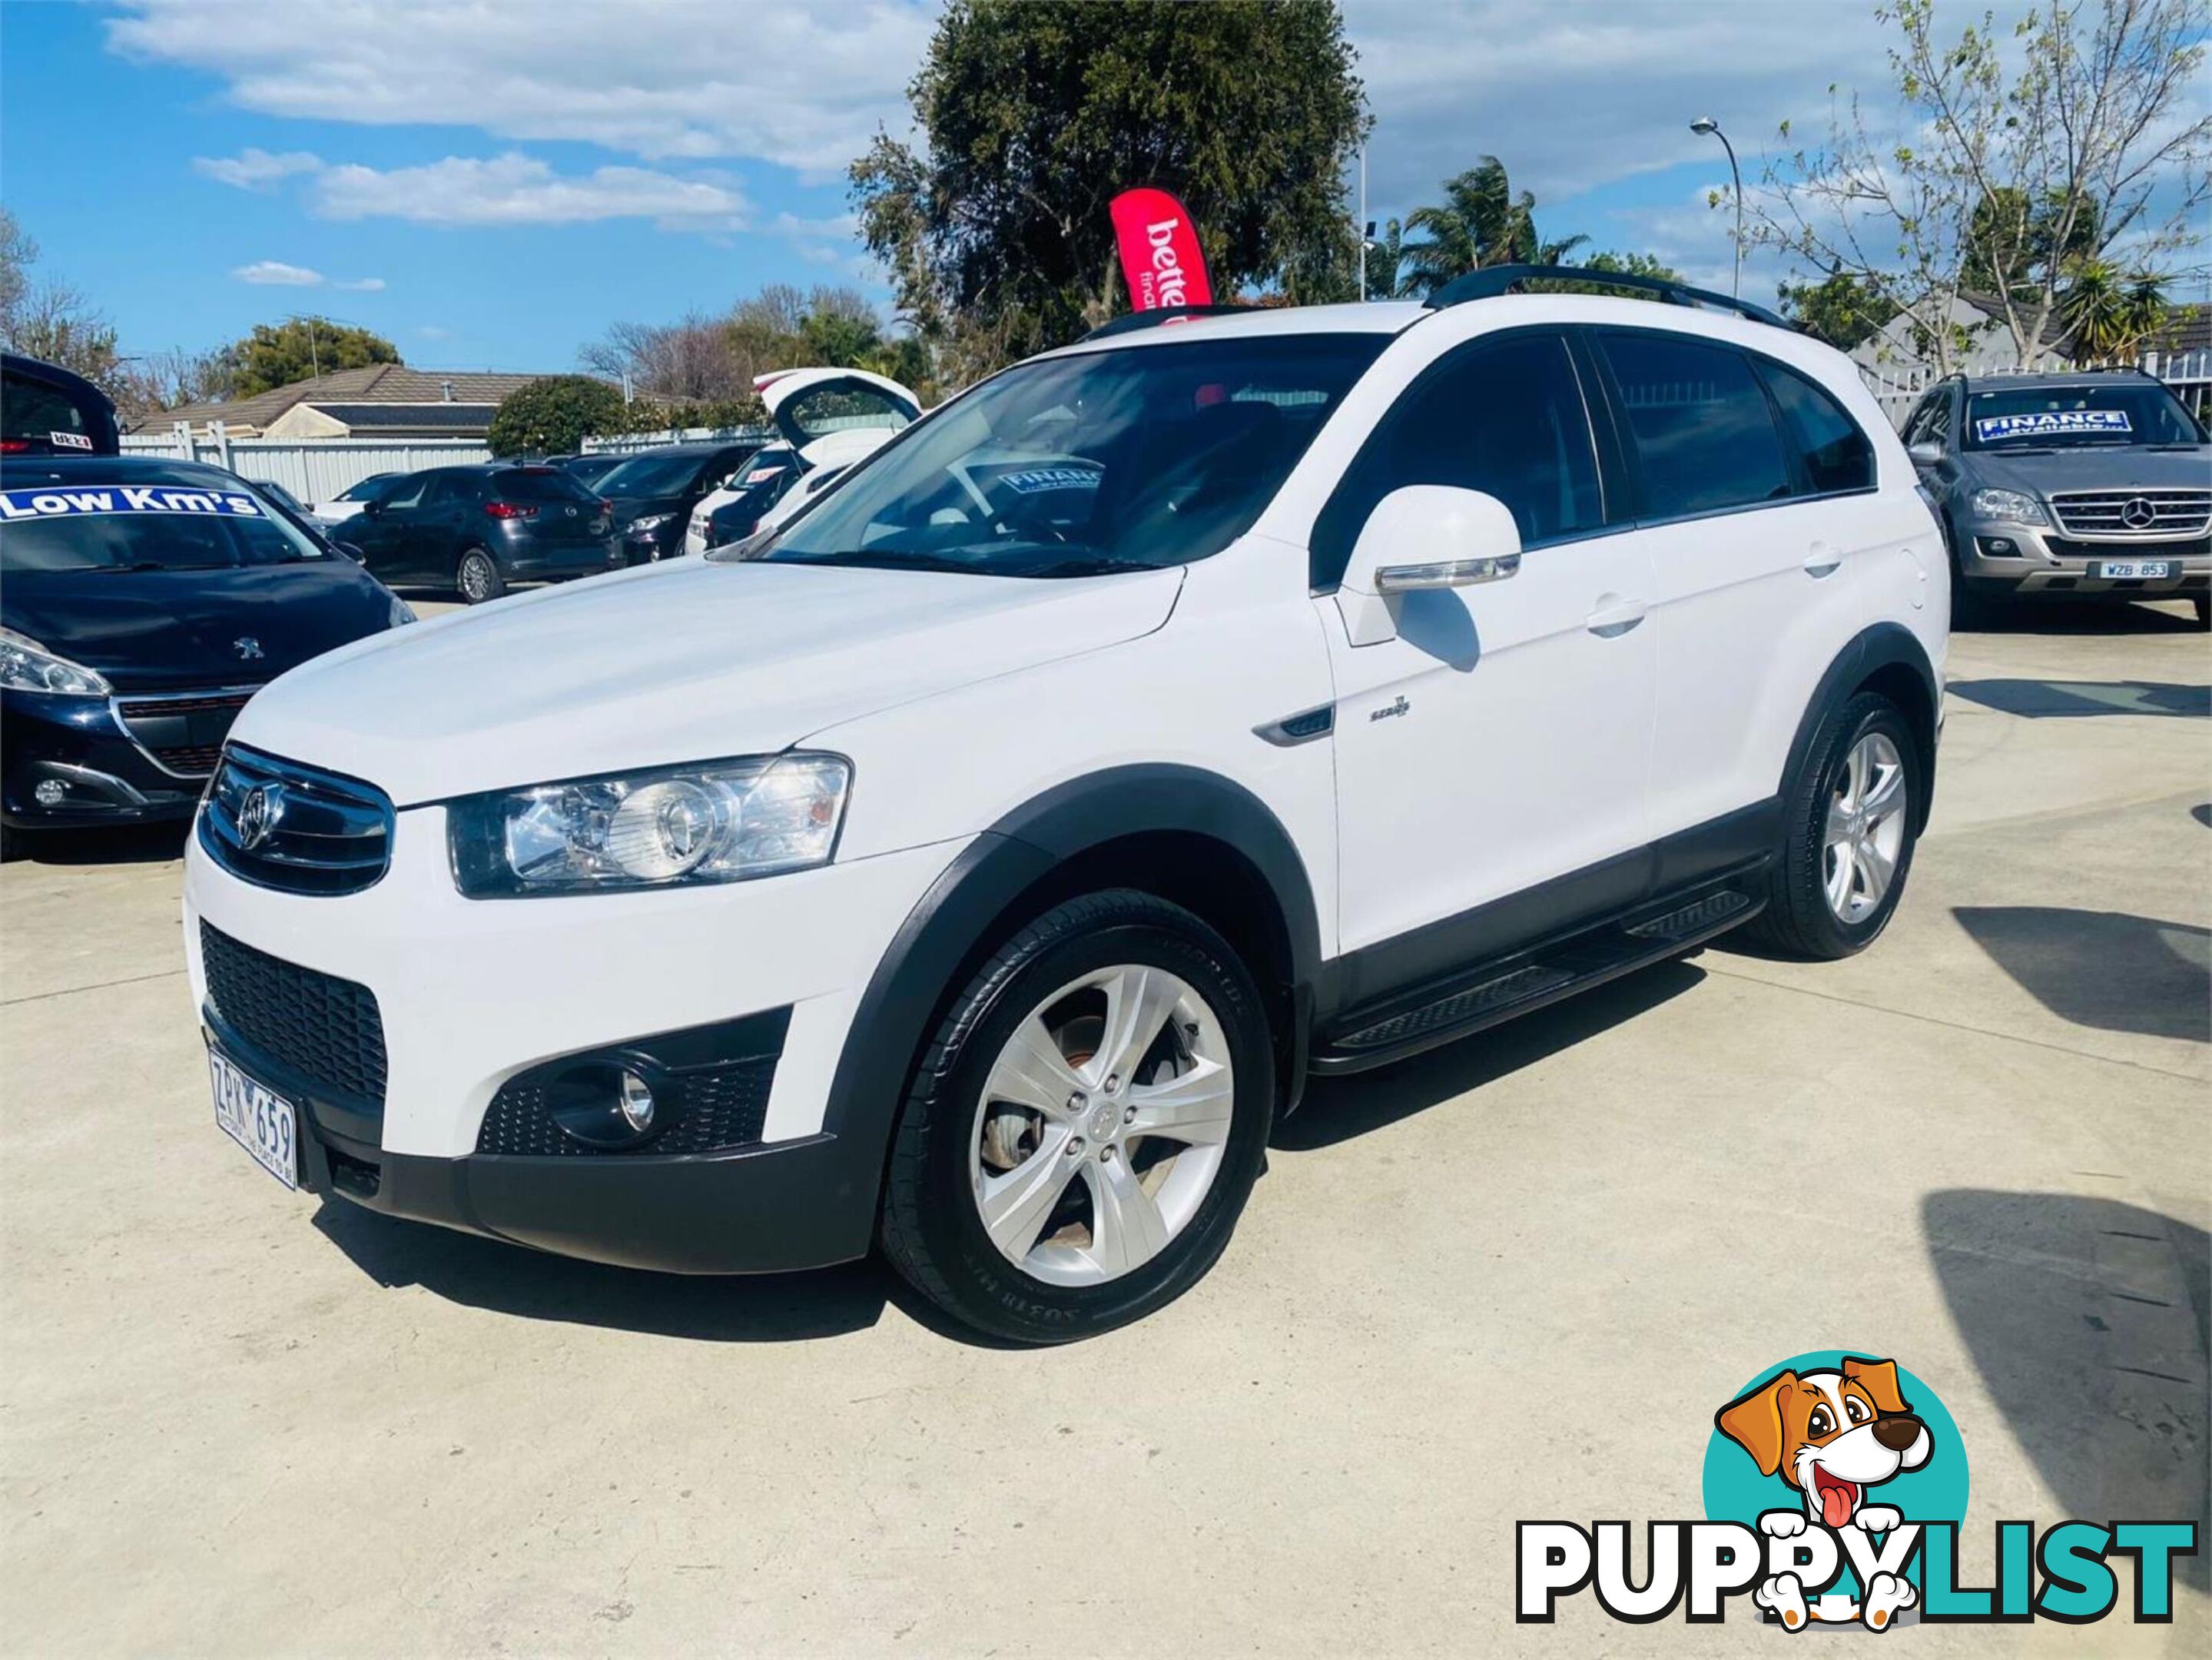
[{"x": 491, "y": 182}]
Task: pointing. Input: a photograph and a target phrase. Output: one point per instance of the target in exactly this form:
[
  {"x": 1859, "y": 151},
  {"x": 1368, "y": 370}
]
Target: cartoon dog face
[{"x": 1832, "y": 1435}]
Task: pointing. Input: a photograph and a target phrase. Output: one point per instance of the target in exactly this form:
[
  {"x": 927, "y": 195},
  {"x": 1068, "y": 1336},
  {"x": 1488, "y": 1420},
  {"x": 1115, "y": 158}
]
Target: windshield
[
  {"x": 2044, "y": 418},
  {"x": 653, "y": 475},
  {"x": 114, "y": 527},
  {"x": 1137, "y": 458}
]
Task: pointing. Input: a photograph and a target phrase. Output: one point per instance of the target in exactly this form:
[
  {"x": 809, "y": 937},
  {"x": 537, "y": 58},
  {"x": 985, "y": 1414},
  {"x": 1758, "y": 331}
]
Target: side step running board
[{"x": 1444, "y": 1012}]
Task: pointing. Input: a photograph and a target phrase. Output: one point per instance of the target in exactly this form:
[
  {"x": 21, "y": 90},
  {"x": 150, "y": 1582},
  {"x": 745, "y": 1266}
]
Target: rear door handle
[
  {"x": 1822, "y": 560},
  {"x": 1613, "y": 616}
]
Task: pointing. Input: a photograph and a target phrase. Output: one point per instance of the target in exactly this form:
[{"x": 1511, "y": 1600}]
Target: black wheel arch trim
[
  {"x": 955, "y": 918},
  {"x": 1884, "y": 644}
]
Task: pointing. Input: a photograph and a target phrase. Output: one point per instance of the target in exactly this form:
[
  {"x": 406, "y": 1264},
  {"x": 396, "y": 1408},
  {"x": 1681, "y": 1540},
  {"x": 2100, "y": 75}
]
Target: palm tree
[
  {"x": 1384, "y": 254},
  {"x": 1479, "y": 222},
  {"x": 2108, "y": 315}
]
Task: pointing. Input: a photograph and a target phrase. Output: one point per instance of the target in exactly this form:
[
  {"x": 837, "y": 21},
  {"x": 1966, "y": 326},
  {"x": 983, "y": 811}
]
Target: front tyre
[
  {"x": 1851, "y": 818},
  {"x": 1086, "y": 1124}
]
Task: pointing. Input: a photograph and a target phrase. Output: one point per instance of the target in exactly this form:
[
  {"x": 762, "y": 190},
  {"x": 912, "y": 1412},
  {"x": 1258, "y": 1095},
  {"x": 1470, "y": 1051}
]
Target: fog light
[
  {"x": 1998, "y": 547},
  {"x": 50, "y": 792},
  {"x": 611, "y": 1102},
  {"x": 636, "y": 1102}
]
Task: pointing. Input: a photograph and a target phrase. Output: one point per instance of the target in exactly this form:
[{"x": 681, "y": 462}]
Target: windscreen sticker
[
  {"x": 126, "y": 498},
  {"x": 1032, "y": 481},
  {"x": 2051, "y": 423},
  {"x": 69, "y": 441}
]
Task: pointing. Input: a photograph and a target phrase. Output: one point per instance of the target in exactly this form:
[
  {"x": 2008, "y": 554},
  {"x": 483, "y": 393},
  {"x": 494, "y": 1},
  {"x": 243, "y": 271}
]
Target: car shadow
[
  {"x": 2043, "y": 700},
  {"x": 504, "y": 1279},
  {"x": 124, "y": 844},
  {"x": 2061, "y": 617},
  {"x": 2086, "y": 1320},
  {"x": 1336, "y": 1109},
  {"x": 2106, "y": 969}
]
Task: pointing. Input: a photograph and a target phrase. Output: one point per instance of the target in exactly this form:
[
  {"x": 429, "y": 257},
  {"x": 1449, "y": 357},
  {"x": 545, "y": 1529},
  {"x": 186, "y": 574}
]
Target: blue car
[{"x": 141, "y": 603}]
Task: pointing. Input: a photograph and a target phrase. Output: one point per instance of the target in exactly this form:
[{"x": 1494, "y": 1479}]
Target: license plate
[
  {"x": 2117, "y": 570},
  {"x": 257, "y": 1118}
]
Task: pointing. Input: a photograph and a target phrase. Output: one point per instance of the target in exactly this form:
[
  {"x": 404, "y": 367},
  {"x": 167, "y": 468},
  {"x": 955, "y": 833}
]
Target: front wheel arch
[{"x": 1888, "y": 659}]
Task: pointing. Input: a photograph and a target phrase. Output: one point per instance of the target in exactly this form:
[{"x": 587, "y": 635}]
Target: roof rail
[
  {"x": 1492, "y": 280},
  {"x": 1130, "y": 322}
]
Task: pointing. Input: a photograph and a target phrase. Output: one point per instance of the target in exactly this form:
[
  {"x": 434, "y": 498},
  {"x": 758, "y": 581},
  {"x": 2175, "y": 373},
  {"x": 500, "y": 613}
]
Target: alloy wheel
[
  {"x": 476, "y": 579},
  {"x": 1102, "y": 1125},
  {"x": 1865, "y": 831}
]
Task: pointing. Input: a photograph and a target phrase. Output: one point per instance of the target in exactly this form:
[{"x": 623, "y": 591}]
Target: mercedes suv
[
  {"x": 979, "y": 864},
  {"x": 2072, "y": 486}
]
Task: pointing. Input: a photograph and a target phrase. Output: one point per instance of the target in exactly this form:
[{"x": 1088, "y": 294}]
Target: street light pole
[
  {"x": 1705, "y": 123},
  {"x": 1365, "y": 231}
]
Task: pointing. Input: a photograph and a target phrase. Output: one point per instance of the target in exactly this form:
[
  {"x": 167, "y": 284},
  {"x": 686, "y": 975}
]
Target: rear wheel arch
[{"x": 1888, "y": 661}]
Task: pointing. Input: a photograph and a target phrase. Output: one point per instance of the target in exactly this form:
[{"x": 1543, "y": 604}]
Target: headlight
[
  {"x": 650, "y": 522},
  {"x": 27, "y": 665},
  {"x": 2012, "y": 506},
  {"x": 719, "y": 821},
  {"x": 401, "y": 612}
]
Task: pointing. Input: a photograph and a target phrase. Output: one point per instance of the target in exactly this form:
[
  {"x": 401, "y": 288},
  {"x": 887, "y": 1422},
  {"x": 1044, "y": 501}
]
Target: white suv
[{"x": 983, "y": 863}]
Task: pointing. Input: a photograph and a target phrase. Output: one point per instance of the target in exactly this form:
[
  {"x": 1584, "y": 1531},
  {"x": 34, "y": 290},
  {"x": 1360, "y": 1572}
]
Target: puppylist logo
[{"x": 1835, "y": 1486}]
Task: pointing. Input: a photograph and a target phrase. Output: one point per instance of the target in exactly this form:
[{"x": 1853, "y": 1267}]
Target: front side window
[
  {"x": 1833, "y": 451},
  {"x": 1134, "y": 458},
  {"x": 1505, "y": 417},
  {"x": 412, "y": 490},
  {"x": 1701, "y": 428}
]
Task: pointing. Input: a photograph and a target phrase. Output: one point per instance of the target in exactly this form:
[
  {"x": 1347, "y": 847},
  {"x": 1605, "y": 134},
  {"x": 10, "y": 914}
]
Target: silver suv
[{"x": 2089, "y": 486}]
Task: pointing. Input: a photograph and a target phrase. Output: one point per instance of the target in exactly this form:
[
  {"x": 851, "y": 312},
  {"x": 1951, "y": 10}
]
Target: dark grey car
[{"x": 2088, "y": 486}]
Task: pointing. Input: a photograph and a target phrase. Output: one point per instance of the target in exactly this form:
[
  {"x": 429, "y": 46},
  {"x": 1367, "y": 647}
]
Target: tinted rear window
[
  {"x": 547, "y": 486},
  {"x": 1701, "y": 426},
  {"x": 45, "y": 418},
  {"x": 1836, "y": 454}
]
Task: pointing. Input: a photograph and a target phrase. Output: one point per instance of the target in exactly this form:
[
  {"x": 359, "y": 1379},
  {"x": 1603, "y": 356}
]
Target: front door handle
[
  {"x": 1822, "y": 560},
  {"x": 1613, "y": 616}
]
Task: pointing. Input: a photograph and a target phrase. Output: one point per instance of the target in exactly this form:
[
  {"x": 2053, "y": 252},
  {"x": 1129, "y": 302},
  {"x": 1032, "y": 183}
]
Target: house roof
[
  {"x": 2186, "y": 328},
  {"x": 378, "y": 384}
]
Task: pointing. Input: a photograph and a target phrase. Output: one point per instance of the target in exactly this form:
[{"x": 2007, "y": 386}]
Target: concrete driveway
[{"x": 1512, "y": 1279}]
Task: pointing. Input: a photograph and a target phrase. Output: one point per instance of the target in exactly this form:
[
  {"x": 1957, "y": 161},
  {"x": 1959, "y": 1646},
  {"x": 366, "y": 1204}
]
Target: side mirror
[
  {"x": 371, "y": 509},
  {"x": 350, "y": 551},
  {"x": 1423, "y": 536},
  {"x": 1925, "y": 453}
]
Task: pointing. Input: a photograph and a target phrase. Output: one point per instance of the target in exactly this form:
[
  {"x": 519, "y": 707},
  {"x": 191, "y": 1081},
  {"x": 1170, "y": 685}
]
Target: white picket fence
[
  {"x": 313, "y": 469},
  {"x": 2188, "y": 374}
]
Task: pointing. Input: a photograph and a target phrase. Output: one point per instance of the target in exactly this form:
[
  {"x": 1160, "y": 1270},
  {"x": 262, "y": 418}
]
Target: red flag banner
[{"x": 1160, "y": 251}]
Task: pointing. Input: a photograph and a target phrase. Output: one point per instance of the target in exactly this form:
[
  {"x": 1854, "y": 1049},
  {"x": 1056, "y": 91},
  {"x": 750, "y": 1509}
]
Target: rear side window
[
  {"x": 1503, "y": 416},
  {"x": 1835, "y": 452},
  {"x": 453, "y": 487},
  {"x": 1702, "y": 429}
]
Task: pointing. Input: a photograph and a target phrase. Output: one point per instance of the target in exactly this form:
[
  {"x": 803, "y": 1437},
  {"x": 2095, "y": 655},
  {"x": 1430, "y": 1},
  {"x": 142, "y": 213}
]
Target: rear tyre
[
  {"x": 1850, "y": 818},
  {"x": 477, "y": 577},
  {"x": 11, "y": 845},
  {"x": 1084, "y": 1125}
]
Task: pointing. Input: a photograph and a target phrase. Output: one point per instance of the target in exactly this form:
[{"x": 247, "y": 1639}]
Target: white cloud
[
  {"x": 518, "y": 190},
  {"x": 255, "y": 169},
  {"x": 275, "y": 273},
  {"x": 801, "y": 86}
]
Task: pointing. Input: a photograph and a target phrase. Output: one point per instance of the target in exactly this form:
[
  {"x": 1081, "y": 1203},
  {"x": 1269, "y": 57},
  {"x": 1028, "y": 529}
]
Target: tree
[
  {"x": 2109, "y": 313},
  {"x": 1840, "y": 308},
  {"x": 2008, "y": 163},
  {"x": 705, "y": 359},
  {"x": 1033, "y": 118},
  {"x": 279, "y": 354},
  {"x": 554, "y": 415},
  {"x": 51, "y": 320},
  {"x": 1479, "y": 222}
]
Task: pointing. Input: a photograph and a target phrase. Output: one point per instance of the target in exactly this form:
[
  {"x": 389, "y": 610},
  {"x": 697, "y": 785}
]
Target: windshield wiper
[
  {"x": 151, "y": 564},
  {"x": 881, "y": 559},
  {"x": 1100, "y": 564}
]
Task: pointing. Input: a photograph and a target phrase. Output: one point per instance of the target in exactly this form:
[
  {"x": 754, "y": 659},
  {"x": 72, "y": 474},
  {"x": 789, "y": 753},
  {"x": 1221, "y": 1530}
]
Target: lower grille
[
  {"x": 723, "y": 1106},
  {"x": 325, "y": 1030},
  {"x": 2067, "y": 548}
]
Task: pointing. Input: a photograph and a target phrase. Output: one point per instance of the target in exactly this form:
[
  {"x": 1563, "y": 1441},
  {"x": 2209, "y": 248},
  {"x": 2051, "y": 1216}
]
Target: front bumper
[
  {"x": 472, "y": 993},
  {"x": 647, "y": 547},
  {"x": 94, "y": 772},
  {"x": 2029, "y": 560}
]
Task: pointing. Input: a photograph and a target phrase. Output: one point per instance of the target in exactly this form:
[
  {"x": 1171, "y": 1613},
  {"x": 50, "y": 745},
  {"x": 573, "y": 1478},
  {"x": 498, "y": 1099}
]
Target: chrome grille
[
  {"x": 278, "y": 825},
  {"x": 2124, "y": 513},
  {"x": 181, "y": 731}
]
